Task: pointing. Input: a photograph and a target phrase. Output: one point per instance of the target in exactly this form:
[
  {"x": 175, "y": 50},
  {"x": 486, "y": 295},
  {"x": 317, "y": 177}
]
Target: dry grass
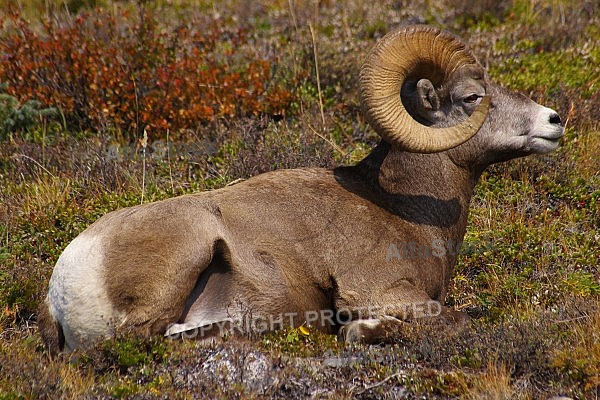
[
  {"x": 582, "y": 358},
  {"x": 493, "y": 384}
]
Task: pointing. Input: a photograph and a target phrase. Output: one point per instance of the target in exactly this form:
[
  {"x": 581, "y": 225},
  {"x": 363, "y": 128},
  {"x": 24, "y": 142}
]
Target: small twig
[
  {"x": 331, "y": 143},
  {"x": 314, "y": 43},
  {"x": 379, "y": 383},
  {"x": 571, "y": 319},
  {"x": 169, "y": 161},
  {"x": 238, "y": 180},
  {"x": 293, "y": 14},
  {"x": 38, "y": 164},
  {"x": 571, "y": 112},
  {"x": 144, "y": 145},
  {"x": 137, "y": 105},
  {"x": 210, "y": 86}
]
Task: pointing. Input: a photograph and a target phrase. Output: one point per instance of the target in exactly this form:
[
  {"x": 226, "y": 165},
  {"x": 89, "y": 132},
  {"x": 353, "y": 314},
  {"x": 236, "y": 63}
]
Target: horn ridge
[{"x": 426, "y": 52}]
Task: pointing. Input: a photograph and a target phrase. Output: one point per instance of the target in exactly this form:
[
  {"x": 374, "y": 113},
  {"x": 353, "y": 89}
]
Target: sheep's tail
[{"x": 50, "y": 329}]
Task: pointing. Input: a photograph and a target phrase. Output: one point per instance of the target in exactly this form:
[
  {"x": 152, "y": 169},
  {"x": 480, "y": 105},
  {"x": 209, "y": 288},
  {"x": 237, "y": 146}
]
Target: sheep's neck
[{"x": 422, "y": 184}]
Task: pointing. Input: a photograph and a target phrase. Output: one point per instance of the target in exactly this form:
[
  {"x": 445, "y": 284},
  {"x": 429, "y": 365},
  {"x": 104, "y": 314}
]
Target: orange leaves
[{"x": 107, "y": 70}]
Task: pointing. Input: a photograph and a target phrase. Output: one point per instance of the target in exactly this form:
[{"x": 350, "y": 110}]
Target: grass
[{"x": 534, "y": 300}]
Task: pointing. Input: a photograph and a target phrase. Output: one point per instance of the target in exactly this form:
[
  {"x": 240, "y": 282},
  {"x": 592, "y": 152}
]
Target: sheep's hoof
[
  {"x": 455, "y": 318},
  {"x": 368, "y": 331}
]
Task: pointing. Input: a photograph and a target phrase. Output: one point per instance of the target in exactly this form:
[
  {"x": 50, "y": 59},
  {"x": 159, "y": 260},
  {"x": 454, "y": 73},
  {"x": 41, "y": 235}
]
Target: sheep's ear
[{"x": 428, "y": 98}]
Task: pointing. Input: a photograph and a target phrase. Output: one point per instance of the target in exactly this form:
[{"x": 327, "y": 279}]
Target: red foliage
[{"x": 109, "y": 71}]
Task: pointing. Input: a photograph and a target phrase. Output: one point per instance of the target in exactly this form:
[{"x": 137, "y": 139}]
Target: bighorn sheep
[{"x": 292, "y": 243}]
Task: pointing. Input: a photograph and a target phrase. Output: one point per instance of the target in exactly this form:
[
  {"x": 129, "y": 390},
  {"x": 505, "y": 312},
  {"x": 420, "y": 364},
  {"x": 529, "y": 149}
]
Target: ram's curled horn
[{"x": 412, "y": 53}]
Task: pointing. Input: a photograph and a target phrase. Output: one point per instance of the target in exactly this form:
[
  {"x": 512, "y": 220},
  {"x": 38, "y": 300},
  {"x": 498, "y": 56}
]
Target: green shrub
[{"x": 15, "y": 116}]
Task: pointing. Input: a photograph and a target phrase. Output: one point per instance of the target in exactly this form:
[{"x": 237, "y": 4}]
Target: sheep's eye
[{"x": 472, "y": 98}]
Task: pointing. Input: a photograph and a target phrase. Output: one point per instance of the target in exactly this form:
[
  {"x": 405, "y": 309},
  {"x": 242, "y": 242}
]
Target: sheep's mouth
[
  {"x": 544, "y": 144},
  {"x": 553, "y": 135},
  {"x": 551, "y": 142}
]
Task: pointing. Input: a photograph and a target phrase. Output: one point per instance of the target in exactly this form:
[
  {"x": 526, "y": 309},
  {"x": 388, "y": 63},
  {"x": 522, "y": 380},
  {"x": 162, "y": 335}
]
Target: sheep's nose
[{"x": 555, "y": 119}]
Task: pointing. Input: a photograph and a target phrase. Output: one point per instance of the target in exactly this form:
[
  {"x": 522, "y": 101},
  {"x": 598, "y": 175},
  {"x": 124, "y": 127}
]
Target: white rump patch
[{"x": 77, "y": 296}]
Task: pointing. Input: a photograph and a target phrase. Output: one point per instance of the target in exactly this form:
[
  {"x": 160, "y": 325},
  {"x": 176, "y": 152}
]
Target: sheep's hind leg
[{"x": 213, "y": 308}]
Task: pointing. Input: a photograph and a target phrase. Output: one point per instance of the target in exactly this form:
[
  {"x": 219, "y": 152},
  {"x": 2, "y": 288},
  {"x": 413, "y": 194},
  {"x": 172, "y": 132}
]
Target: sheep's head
[{"x": 423, "y": 91}]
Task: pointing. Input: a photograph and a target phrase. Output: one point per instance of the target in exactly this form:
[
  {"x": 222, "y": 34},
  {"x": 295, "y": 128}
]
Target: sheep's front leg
[{"x": 377, "y": 314}]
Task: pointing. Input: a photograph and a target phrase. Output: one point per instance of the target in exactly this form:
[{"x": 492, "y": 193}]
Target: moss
[{"x": 300, "y": 342}]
